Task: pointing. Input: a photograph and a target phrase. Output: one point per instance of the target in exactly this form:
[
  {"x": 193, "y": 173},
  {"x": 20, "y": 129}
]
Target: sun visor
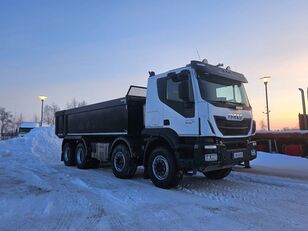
[{"x": 214, "y": 70}]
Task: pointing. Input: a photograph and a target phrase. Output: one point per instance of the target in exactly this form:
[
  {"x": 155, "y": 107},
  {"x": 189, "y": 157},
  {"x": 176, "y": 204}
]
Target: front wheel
[
  {"x": 162, "y": 169},
  {"x": 218, "y": 174}
]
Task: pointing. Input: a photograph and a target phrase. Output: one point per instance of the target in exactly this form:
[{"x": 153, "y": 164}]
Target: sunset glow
[{"x": 96, "y": 51}]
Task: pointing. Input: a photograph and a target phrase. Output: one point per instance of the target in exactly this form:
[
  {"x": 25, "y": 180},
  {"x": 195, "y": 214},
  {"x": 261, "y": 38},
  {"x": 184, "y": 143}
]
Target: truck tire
[
  {"x": 218, "y": 174},
  {"x": 68, "y": 154},
  {"x": 162, "y": 169},
  {"x": 123, "y": 165},
  {"x": 81, "y": 157}
]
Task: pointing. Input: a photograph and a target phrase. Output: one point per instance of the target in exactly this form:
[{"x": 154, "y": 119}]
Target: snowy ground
[{"x": 38, "y": 193}]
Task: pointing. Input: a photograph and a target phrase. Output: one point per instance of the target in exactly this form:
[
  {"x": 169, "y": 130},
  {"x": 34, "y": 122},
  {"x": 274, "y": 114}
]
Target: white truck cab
[
  {"x": 199, "y": 100},
  {"x": 203, "y": 110}
]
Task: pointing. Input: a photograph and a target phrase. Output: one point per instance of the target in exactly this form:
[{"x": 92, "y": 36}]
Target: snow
[
  {"x": 281, "y": 165},
  {"x": 282, "y": 131},
  {"x": 37, "y": 192}
]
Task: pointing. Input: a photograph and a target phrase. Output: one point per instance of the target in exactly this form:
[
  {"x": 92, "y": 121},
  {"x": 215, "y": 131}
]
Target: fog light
[
  {"x": 254, "y": 143},
  {"x": 210, "y": 146},
  {"x": 210, "y": 157},
  {"x": 253, "y": 152}
]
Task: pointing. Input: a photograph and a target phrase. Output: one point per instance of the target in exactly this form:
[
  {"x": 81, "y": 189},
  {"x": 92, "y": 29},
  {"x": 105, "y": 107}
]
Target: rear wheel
[
  {"x": 81, "y": 156},
  {"x": 162, "y": 169},
  {"x": 68, "y": 154},
  {"x": 123, "y": 165},
  {"x": 218, "y": 174}
]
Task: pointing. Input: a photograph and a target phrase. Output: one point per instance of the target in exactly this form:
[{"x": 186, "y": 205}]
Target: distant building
[{"x": 26, "y": 127}]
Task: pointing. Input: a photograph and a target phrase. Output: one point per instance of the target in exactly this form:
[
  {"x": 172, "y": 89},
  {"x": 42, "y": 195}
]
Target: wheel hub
[
  {"x": 119, "y": 161},
  {"x": 160, "y": 167}
]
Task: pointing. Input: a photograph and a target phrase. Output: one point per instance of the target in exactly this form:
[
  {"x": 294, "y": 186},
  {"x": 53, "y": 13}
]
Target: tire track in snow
[{"x": 234, "y": 187}]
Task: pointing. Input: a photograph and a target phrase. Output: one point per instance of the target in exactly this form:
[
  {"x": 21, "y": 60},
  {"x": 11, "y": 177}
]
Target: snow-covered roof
[
  {"x": 29, "y": 125},
  {"x": 282, "y": 131}
]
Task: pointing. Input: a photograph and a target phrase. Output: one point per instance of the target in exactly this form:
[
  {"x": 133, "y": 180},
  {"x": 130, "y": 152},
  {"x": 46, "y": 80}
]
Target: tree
[
  {"x": 14, "y": 125},
  {"x": 262, "y": 125},
  {"x": 5, "y": 120},
  {"x": 74, "y": 104},
  {"x": 49, "y": 113}
]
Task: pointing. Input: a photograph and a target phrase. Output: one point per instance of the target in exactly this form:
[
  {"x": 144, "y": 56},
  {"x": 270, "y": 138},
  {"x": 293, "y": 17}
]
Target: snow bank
[
  {"x": 39, "y": 143},
  {"x": 24, "y": 156}
]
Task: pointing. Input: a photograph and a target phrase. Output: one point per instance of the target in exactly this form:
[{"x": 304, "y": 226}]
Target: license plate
[{"x": 237, "y": 155}]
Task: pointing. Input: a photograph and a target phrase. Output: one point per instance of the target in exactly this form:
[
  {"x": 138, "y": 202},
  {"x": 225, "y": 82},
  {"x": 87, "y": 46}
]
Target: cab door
[{"x": 179, "y": 107}]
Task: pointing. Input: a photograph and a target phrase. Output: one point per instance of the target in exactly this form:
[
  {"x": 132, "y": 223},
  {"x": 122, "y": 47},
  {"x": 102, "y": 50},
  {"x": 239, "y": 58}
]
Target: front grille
[
  {"x": 232, "y": 128},
  {"x": 235, "y": 145}
]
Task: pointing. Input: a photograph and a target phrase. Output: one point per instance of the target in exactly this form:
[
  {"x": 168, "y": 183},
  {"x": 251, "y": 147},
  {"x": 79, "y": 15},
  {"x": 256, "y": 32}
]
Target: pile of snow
[
  {"x": 40, "y": 143},
  {"x": 22, "y": 157}
]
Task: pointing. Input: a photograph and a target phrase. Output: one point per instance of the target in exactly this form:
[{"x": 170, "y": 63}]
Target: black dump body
[{"x": 123, "y": 116}]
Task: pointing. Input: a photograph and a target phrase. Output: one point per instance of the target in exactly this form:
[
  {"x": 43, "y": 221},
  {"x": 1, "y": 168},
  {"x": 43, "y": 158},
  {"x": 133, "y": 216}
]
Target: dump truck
[{"x": 196, "y": 118}]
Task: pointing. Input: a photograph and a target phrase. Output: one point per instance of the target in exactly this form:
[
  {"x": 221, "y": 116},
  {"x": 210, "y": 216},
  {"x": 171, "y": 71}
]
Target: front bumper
[{"x": 226, "y": 157}]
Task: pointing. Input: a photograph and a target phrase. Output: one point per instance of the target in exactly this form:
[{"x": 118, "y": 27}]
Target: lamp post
[
  {"x": 265, "y": 80},
  {"x": 42, "y": 98}
]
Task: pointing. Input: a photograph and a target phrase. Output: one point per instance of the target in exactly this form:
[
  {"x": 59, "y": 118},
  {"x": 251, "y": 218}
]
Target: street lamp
[
  {"x": 265, "y": 80},
  {"x": 42, "y": 98}
]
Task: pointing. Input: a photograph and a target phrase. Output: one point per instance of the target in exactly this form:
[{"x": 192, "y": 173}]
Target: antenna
[{"x": 198, "y": 54}]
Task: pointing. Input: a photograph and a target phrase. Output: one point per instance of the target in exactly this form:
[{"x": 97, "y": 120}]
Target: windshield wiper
[
  {"x": 236, "y": 103},
  {"x": 233, "y": 104},
  {"x": 221, "y": 101}
]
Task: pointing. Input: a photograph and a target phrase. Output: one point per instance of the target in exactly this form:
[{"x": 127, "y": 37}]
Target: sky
[{"x": 93, "y": 50}]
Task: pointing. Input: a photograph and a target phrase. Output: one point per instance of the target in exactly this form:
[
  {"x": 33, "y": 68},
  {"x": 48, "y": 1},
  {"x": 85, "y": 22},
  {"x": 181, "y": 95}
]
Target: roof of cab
[
  {"x": 218, "y": 71},
  {"x": 208, "y": 68}
]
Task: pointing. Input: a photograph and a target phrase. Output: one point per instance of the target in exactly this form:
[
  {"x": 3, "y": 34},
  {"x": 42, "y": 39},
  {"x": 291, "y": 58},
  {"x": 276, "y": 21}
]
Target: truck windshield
[{"x": 222, "y": 92}]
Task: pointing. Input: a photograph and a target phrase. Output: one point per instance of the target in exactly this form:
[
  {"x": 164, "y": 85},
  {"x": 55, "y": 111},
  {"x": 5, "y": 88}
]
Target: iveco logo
[{"x": 234, "y": 116}]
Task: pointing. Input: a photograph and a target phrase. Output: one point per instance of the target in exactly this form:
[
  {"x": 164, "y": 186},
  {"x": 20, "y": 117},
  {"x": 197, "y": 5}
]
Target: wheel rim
[
  {"x": 80, "y": 155},
  {"x": 119, "y": 161},
  {"x": 160, "y": 167},
  {"x": 67, "y": 153}
]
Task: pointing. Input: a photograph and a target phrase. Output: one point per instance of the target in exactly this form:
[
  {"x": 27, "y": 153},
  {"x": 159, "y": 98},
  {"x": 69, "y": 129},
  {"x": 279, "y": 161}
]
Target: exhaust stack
[{"x": 304, "y": 106}]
